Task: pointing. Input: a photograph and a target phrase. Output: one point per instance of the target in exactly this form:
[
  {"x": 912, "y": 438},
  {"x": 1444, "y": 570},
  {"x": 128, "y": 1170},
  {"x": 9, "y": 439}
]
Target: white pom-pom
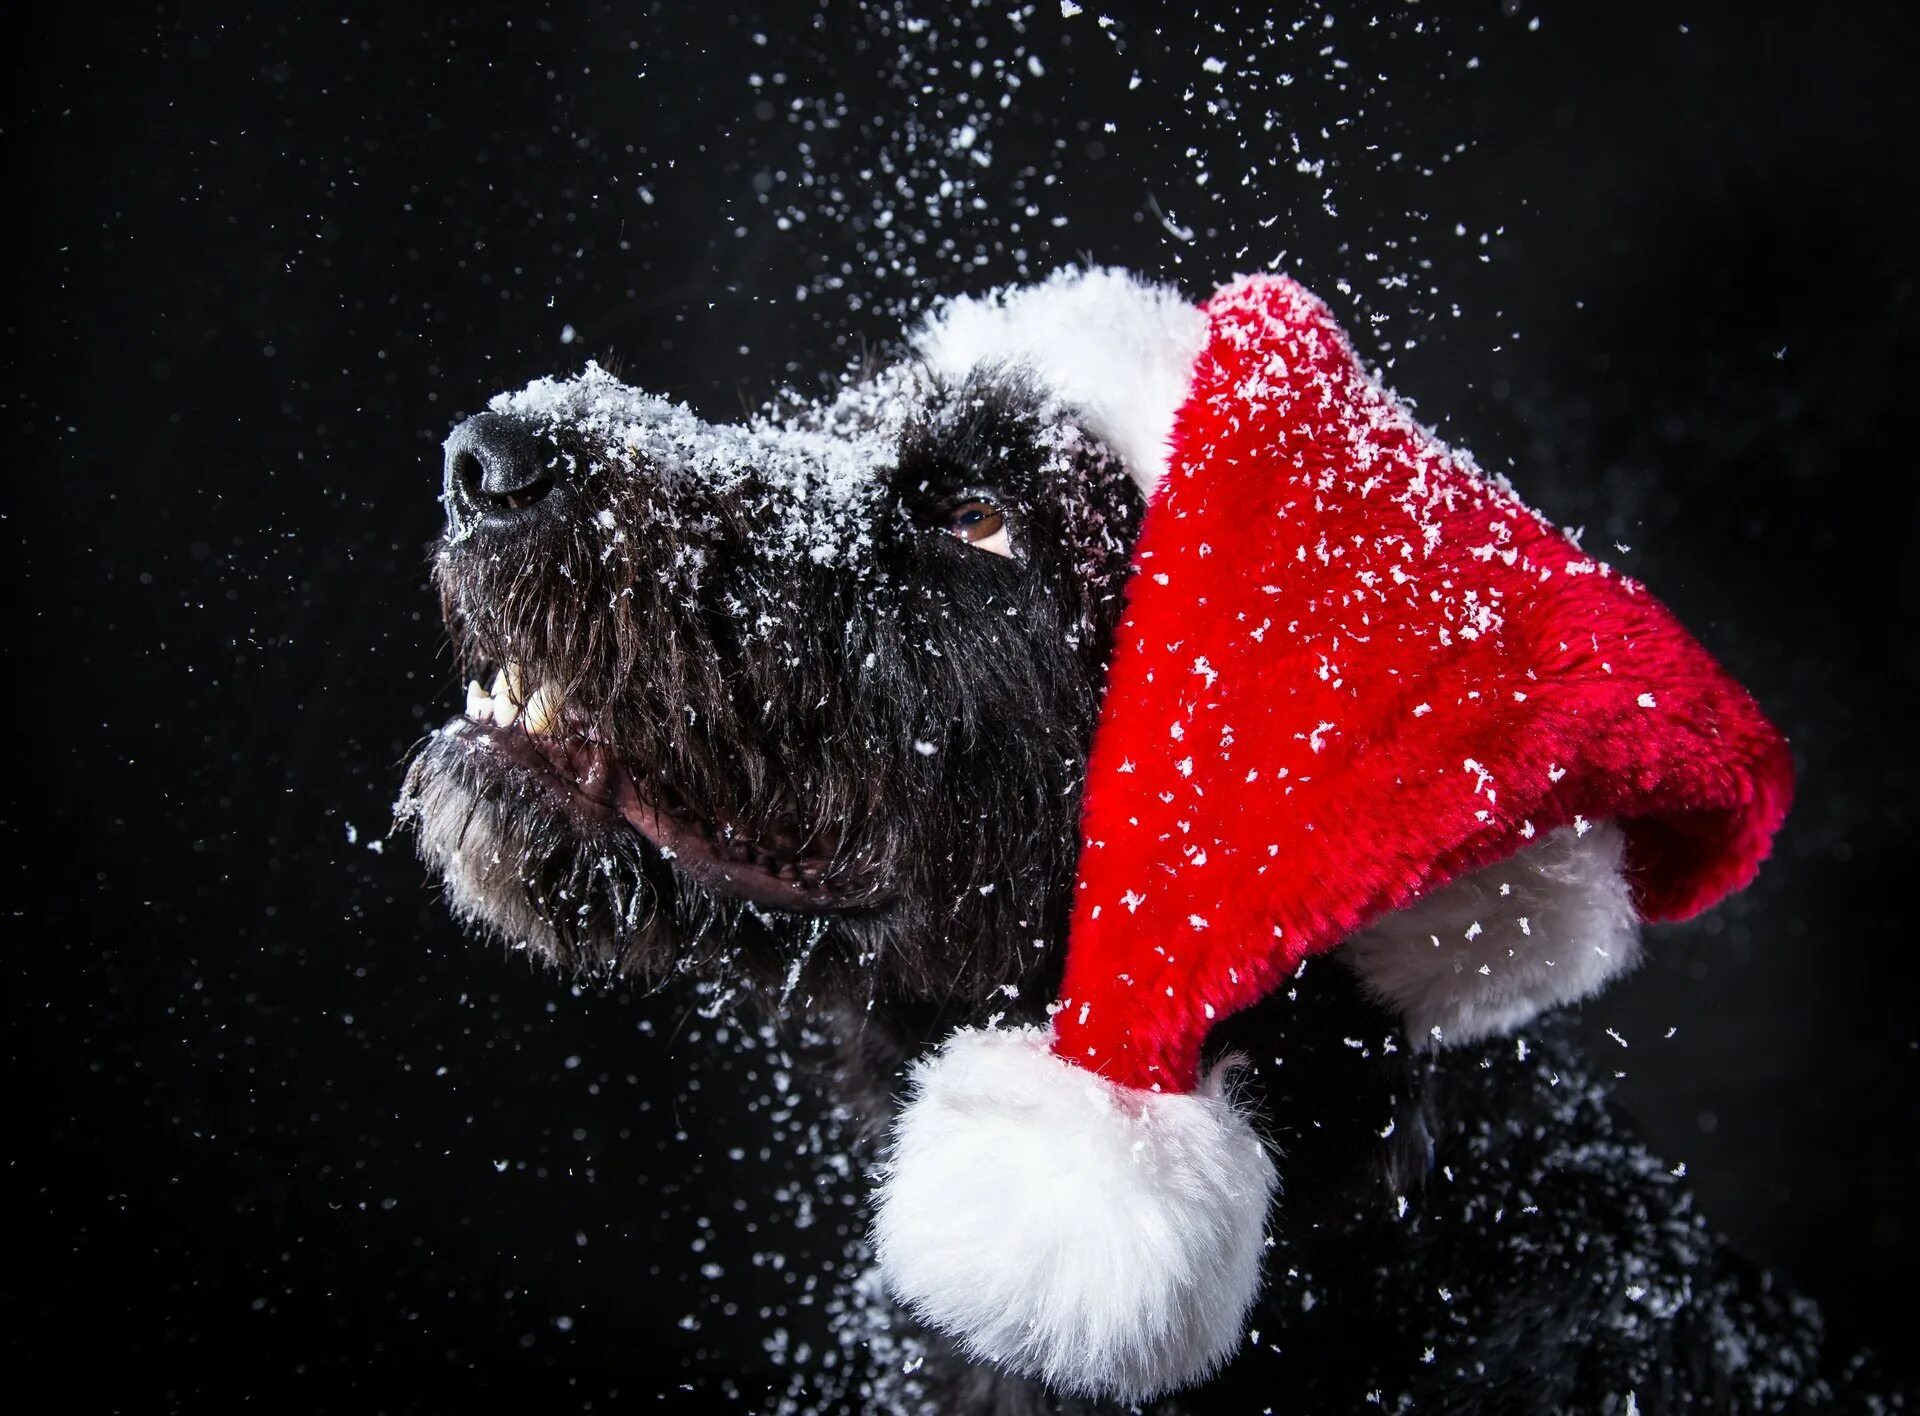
[{"x": 1104, "y": 1239}]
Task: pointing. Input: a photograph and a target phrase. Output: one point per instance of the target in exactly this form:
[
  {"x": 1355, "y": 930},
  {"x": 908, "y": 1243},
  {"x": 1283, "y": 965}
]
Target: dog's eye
[{"x": 982, "y": 524}]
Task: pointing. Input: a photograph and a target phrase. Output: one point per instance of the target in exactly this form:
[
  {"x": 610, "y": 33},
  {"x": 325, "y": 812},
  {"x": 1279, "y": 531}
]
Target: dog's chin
[
  {"x": 777, "y": 867},
  {"x": 516, "y": 822}
]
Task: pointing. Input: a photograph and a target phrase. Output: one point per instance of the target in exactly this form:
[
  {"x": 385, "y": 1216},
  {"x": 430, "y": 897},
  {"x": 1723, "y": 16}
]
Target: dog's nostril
[
  {"x": 464, "y": 472},
  {"x": 497, "y": 464}
]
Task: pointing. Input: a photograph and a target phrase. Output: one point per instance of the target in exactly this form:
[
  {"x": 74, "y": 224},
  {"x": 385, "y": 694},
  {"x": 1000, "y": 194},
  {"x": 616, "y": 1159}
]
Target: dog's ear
[
  {"x": 1489, "y": 952},
  {"x": 1118, "y": 350}
]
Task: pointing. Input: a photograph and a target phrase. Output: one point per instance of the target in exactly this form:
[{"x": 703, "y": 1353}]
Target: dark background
[{"x": 281, "y": 1135}]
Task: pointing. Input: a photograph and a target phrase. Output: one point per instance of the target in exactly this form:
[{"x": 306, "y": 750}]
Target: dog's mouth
[{"x": 779, "y": 865}]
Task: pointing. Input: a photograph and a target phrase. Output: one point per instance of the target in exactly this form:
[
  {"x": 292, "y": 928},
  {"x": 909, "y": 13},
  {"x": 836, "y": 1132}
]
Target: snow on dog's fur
[{"x": 808, "y": 700}]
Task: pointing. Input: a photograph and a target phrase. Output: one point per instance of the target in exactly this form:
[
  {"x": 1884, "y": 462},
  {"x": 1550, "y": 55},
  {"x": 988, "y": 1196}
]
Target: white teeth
[
  {"x": 507, "y": 702},
  {"x": 507, "y": 693},
  {"x": 510, "y": 682},
  {"x": 543, "y": 709}
]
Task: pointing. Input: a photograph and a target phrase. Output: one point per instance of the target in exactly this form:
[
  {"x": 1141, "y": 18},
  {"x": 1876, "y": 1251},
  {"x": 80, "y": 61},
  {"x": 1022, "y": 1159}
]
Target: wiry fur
[{"x": 1467, "y": 1229}]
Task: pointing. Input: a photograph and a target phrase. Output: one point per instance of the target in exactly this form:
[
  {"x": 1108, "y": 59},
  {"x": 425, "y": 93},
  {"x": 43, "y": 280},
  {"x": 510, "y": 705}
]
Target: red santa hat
[{"x": 1357, "y": 680}]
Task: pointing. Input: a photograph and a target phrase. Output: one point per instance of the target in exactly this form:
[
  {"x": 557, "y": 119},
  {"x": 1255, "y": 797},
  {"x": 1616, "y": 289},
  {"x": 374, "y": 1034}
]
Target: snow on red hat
[{"x": 1355, "y": 675}]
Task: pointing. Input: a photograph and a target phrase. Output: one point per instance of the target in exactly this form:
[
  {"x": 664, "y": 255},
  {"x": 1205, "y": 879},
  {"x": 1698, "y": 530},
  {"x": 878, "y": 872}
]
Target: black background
[{"x": 281, "y": 1134}]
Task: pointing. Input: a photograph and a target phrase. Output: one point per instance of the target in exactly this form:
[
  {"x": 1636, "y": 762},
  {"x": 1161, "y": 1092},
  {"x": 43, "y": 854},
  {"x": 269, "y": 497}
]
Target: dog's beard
[
  {"x": 591, "y": 897},
  {"x": 520, "y": 867},
  {"x": 961, "y": 921}
]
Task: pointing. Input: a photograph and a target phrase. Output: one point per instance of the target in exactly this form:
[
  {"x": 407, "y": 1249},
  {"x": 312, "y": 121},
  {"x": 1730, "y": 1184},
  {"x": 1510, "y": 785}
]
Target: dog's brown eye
[
  {"x": 976, "y": 520},
  {"x": 981, "y": 524}
]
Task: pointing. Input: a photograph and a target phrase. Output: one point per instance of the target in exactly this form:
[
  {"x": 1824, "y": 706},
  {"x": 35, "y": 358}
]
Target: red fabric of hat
[{"x": 1353, "y": 668}]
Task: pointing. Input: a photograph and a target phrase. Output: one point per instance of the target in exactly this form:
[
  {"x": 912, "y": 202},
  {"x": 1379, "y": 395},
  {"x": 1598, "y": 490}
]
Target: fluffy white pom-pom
[{"x": 1103, "y": 1239}]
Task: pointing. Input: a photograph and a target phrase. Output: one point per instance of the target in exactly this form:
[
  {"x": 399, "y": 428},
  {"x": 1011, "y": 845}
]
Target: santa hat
[{"x": 1354, "y": 671}]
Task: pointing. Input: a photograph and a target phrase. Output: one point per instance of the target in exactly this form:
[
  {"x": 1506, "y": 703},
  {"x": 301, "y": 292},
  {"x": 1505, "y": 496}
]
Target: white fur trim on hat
[
  {"x": 1115, "y": 347},
  {"x": 1492, "y": 951},
  {"x": 1103, "y": 1239}
]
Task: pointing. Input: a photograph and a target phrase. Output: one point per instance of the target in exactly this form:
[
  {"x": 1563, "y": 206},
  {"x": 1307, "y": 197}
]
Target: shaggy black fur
[{"x": 880, "y": 729}]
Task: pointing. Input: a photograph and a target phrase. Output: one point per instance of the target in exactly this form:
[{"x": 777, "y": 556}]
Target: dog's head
[{"x": 819, "y": 685}]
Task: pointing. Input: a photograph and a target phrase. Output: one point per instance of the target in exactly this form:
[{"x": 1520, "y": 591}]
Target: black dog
[{"x": 802, "y": 708}]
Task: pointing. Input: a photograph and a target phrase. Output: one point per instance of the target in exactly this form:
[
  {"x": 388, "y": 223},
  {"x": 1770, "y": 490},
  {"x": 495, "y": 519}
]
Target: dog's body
[
  {"x": 803, "y": 709},
  {"x": 1474, "y": 1230}
]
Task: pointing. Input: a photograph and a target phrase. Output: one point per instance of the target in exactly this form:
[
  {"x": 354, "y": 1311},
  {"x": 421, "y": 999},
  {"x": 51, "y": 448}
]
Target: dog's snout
[{"x": 497, "y": 466}]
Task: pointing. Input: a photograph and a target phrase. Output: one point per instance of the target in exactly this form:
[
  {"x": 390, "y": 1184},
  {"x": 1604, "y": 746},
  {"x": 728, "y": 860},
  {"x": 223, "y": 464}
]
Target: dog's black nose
[{"x": 497, "y": 466}]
